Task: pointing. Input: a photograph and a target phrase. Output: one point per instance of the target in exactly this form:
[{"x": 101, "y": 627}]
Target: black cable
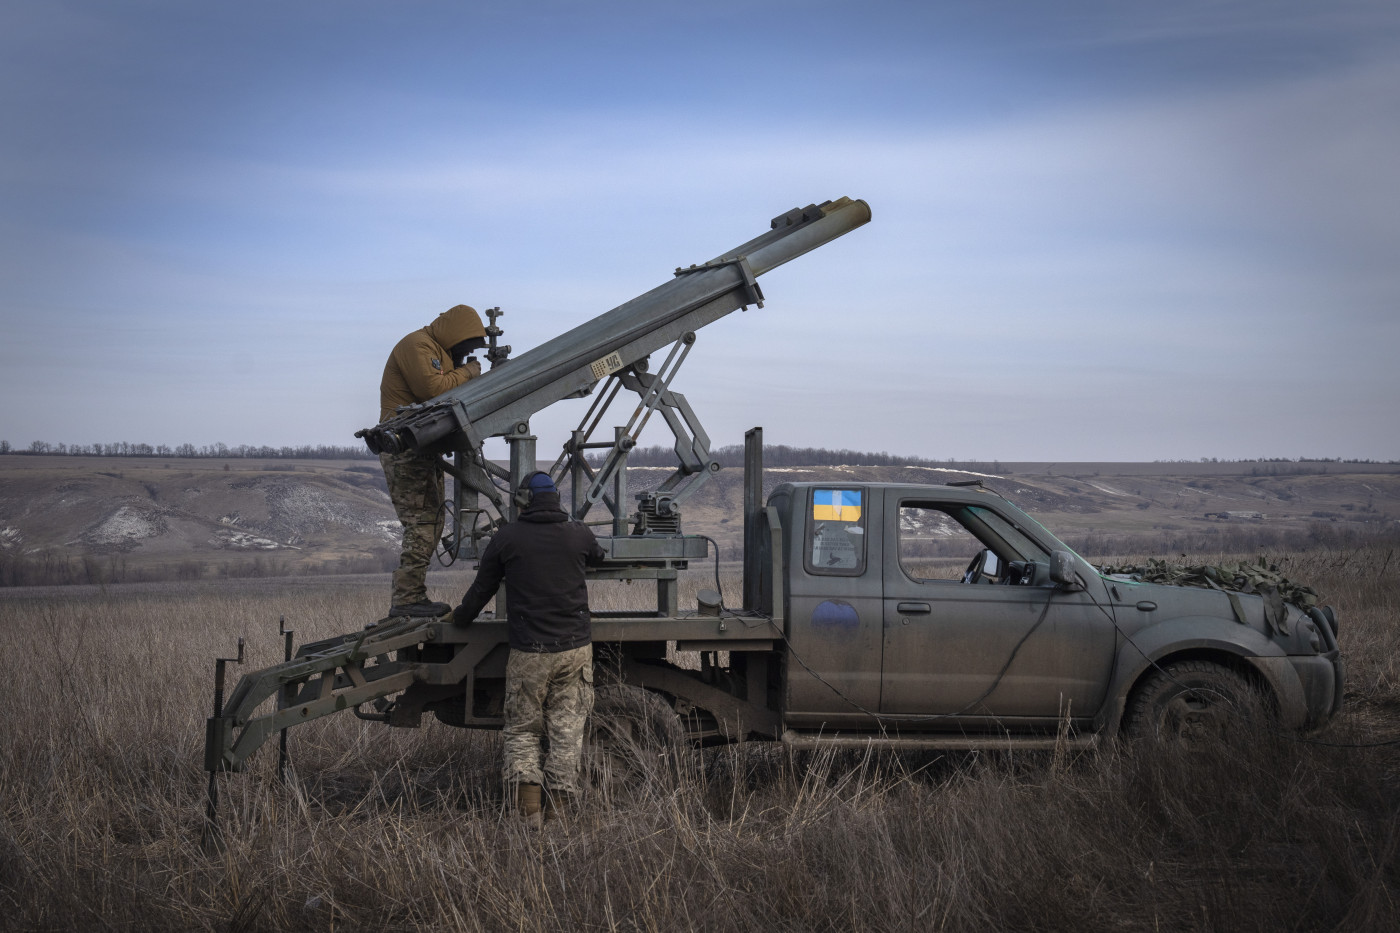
[
  {"x": 445, "y": 511},
  {"x": 910, "y": 717},
  {"x": 718, "y": 589},
  {"x": 739, "y": 615},
  {"x": 892, "y": 717},
  {"x": 441, "y": 549}
]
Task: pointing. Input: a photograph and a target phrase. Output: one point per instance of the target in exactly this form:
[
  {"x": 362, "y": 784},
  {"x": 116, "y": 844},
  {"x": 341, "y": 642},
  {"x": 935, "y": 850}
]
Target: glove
[{"x": 460, "y": 617}]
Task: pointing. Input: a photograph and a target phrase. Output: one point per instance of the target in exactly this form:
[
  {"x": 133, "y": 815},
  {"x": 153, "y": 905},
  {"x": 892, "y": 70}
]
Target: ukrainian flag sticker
[{"x": 836, "y": 505}]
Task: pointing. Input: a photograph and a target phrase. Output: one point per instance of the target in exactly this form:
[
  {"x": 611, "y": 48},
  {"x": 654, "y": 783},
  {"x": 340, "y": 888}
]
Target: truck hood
[{"x": 1175, "y": 602}]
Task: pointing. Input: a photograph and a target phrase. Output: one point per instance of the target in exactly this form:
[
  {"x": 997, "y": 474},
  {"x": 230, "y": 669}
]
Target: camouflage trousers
[
  {"x": 548, "y": 699},
  {"x": 415, "y": 488}
]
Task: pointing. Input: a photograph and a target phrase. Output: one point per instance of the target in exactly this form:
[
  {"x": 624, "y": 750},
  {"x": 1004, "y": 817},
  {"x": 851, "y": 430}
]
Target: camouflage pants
[
  {"x": 548, "y": 699},
  {"x": 415, "y": 488}
]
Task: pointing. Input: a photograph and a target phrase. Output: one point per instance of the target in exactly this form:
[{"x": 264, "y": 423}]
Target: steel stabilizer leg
[
  {"x": 211, "y": 839},
  {"x": 283, "y": 696}
]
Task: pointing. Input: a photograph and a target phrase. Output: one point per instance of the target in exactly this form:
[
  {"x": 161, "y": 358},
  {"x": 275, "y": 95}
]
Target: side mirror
[{"x": 1062, "y": 572}]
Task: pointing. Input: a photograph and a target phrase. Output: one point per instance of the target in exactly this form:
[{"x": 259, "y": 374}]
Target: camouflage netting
[{"x": 1259, "y": 578}]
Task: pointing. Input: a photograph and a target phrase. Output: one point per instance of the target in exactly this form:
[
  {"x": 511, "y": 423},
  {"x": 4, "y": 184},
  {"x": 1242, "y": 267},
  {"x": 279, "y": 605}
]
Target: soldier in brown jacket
[{"x": 421, "y": 366}]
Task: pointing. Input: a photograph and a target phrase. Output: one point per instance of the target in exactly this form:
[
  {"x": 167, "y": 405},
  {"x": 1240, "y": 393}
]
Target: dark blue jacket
[{"x": 541, "y": 557}]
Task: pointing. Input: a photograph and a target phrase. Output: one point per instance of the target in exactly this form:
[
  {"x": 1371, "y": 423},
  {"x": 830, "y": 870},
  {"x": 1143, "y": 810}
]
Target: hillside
[
  {"x": 126, "y": 518},
  {"x": 87, "y": 519}
]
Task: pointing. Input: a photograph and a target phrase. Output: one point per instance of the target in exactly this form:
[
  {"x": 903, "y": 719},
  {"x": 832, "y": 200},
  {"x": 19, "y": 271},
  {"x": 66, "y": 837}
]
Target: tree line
[
  {"x": 731, "y": 455},
  {"x": 190, "y": 451},
  {"x": 1275, "y": 460}
]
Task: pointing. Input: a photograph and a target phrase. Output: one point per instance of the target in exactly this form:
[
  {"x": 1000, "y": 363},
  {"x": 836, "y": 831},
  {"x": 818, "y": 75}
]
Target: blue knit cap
[{"x": 540, "y": 482}]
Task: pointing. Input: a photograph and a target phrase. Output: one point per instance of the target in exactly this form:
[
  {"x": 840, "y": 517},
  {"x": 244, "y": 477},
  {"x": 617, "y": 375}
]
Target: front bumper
[{"x": 1322, "y": 680}]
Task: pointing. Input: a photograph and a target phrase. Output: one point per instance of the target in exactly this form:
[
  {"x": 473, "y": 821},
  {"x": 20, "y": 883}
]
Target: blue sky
[{"x": 1102, "y": 230}]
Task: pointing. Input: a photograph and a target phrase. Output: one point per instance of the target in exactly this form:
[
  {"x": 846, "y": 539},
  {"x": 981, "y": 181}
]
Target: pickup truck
[{"x": 904, "y": 615}]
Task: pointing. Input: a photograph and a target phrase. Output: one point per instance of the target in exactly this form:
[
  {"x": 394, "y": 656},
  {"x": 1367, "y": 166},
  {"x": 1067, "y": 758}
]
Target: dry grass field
[{"x": 102, "y": 801}]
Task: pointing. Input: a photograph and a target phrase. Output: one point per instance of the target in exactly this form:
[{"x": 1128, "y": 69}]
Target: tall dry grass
[{"x": 102, "y": 801}]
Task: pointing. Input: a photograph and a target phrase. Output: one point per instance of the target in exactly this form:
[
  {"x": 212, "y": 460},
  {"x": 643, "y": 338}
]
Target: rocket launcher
[
  {"x": 613, "y": 348},
  {"x": 434, "y": 664}
]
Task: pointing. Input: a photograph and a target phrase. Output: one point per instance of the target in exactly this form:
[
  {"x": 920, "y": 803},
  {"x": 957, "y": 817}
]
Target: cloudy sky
[{"x": 1102, "y": 230}]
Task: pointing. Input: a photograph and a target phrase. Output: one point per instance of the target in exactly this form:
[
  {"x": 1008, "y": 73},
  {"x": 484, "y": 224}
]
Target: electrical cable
[
  {"x": 913, "y": 717},
  {"x": 891, "y": 717},
  {"x": 441, "y": 549},
  {"x": 719, "y": 590},
  {"x": 740, "y": 616}
]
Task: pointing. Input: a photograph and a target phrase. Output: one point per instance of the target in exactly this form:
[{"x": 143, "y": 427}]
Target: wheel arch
[{"x": 1244, "y": 650}]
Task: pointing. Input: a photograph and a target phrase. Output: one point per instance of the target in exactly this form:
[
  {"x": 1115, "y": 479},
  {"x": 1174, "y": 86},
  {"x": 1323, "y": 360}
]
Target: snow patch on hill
[
  {"x": 1105, "y": 488},
  {"x": 126, "y": 527},
  {"x": 243, "y": 541},
  {"x": 298, "y": 509}
]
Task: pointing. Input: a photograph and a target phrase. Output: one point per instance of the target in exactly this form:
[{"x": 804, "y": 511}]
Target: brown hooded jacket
[{"x": 420, "y": 366}]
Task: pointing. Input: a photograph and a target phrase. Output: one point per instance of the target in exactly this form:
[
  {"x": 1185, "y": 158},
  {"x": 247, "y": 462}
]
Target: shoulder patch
[{"x": 437, "y": 364}]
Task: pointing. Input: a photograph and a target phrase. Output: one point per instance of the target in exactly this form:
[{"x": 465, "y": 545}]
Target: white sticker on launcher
[{"x": 606, "y": 366}]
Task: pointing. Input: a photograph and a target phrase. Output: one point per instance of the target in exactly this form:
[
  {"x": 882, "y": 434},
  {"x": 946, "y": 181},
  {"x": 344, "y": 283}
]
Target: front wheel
[{"x": 1193, "y": 702}]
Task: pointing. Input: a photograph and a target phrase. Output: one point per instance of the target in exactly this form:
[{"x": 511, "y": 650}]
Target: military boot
[
  {"x": 527, "y": 804},
  {"x": 558, "y": 804}
]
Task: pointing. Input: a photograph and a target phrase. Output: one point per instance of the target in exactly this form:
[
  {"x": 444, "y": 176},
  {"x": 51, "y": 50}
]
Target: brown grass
[{"x": 102, "y": 800}]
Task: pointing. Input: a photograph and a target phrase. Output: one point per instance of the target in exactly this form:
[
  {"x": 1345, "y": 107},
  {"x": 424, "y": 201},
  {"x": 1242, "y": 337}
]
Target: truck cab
[{"x": 934, "y": 607}]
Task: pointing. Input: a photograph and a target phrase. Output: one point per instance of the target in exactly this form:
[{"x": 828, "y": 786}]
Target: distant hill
[
  {"x": 134, "y": 518},
  {"x": 95, "y": 519}
]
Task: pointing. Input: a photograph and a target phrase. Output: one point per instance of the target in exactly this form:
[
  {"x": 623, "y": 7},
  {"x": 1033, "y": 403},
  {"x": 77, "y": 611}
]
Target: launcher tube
[{"x": 570, "y": 364}]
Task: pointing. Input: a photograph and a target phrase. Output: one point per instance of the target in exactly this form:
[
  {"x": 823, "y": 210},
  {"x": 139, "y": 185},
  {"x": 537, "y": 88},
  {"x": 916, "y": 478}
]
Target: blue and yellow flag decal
[{"x": 836, "y": 505}]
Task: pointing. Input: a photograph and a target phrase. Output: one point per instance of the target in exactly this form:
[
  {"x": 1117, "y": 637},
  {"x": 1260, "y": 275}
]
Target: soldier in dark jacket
[{"x": 549, "y": 675}]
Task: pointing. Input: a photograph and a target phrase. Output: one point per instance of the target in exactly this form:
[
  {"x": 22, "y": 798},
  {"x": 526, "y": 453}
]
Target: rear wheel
[
  {"x": 634, "y": 739},
  {"x": 1194, "y": 702}
]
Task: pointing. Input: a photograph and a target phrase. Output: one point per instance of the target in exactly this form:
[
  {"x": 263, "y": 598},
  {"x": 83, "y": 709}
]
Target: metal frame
[{"x": 388, "y": 659}]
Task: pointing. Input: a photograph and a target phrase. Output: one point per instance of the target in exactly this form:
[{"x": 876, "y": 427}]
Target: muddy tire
[
  {"x": 1194, "y": 703},
  {"x": 634, "y": 741}
]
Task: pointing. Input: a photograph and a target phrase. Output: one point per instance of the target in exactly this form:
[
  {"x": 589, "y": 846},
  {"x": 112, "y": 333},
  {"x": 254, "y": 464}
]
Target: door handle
[{"x": 913, "y": 608}]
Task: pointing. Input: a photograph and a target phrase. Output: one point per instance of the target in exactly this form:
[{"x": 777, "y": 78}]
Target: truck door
[
  {"x": 983, "y": 647},
  {"x": 834, "y": 606}
]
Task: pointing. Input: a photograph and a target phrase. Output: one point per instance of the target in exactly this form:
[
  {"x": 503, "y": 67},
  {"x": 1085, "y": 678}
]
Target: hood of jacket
[
  {"x": 454, "y": 325},
  {"x": 420, "y": 365},
  {"x": 544, "y": 507}
]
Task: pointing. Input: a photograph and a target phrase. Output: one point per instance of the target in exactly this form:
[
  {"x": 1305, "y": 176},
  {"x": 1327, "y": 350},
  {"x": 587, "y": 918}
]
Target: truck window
[
  {"x": 836, "y": 532},
  {"x": 932, "y": 545},
  {"x": 936, "y": 541}
]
